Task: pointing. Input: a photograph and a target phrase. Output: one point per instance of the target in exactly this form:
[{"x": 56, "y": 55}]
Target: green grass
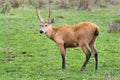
[{"x": 27, "y": 55}]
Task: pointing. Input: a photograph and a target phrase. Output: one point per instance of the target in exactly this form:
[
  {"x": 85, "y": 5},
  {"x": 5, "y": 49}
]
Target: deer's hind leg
[
  {"x": 93, "y": 49},
  {"x": 87, "y": 53}
]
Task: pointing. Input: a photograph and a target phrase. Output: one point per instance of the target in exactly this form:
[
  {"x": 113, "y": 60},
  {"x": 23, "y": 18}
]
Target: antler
[
  {"x": 38, "y": 14},
  {"x": 49, "y": 14}
]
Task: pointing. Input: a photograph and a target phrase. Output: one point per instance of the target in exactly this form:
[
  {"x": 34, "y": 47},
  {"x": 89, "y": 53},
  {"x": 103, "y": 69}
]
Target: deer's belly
[{"x": 70, "y": 45}]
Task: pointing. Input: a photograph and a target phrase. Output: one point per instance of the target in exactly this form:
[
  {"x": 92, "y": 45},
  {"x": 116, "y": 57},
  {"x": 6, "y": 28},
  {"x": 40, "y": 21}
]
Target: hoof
[
  {"x": 82, "y": 69},
  {"x": 96, "y": 69},
  {"x": 63, "y": 68}
]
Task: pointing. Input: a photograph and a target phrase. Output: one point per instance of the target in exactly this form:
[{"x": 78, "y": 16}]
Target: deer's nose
[{"x": 41, "y": 31}]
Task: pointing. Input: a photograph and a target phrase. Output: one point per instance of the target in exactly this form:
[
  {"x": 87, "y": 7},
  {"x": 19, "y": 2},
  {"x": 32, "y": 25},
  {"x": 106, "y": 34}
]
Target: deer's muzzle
[{"x": 41, "y": 31}]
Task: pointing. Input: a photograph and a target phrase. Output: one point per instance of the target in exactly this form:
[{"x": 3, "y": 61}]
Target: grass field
[{"x": 27, "y": 55}]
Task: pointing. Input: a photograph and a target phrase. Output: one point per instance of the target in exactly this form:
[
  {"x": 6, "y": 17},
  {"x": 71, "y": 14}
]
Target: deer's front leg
[{"x": 63, "y": 53}]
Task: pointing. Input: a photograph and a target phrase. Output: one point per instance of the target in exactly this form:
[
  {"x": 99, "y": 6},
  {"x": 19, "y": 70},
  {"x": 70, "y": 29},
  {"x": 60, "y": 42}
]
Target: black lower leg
[
  {"x": 63, "y": 62},
  {"x": 96, "y": 59},
  {"x": 87, "y": 58}
]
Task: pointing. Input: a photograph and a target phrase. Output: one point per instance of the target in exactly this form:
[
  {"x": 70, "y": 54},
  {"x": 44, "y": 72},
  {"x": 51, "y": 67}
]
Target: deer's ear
[{"x": 51, "y": 21}]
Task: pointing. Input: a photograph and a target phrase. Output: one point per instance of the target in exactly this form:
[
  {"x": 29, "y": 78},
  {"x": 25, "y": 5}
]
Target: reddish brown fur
[{"x": 75, "y": 35}]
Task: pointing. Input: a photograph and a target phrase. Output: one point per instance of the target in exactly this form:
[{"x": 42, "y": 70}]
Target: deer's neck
[{"x": 51, "y": 33}]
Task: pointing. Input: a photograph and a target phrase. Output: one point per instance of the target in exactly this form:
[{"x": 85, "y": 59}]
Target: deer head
[{"x": 45, "y": 25}]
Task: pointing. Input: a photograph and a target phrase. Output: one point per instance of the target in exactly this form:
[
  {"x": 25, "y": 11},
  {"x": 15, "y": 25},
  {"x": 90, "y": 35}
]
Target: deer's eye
[{"x": 45, "y": 25}]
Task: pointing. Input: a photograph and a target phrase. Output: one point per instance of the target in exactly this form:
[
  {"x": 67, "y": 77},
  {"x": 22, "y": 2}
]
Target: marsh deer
[{"x": 81, "y": 35}]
